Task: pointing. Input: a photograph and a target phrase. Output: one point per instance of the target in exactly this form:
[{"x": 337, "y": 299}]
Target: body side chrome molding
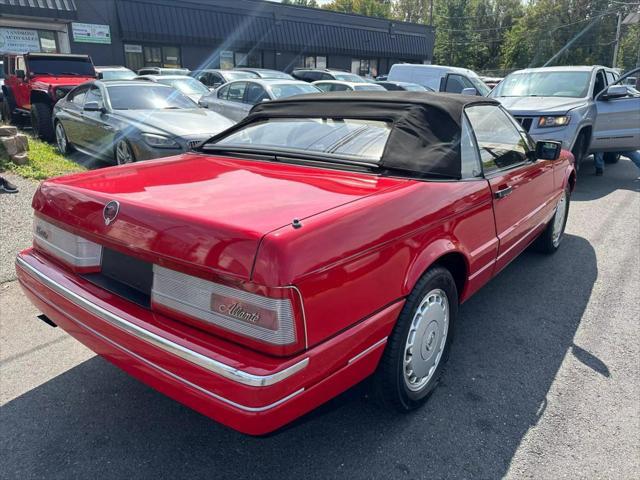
[
  {"x": 367, "y": 350},
  {"x": 191, "y": 356}
]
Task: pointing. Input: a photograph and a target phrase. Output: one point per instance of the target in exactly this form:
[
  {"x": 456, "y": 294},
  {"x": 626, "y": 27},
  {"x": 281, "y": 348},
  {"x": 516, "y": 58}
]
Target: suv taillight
[{"x": 269, "y": 319}]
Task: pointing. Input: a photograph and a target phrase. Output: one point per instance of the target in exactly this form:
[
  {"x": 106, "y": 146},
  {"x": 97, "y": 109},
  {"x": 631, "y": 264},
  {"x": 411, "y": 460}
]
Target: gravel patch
[{"x": 15, "y": 223}]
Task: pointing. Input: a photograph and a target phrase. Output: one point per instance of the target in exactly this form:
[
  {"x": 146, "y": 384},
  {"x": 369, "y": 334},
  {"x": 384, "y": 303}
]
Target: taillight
[
  {"x": 77, "y": 252},
  {"x": 270, "y": 319}
]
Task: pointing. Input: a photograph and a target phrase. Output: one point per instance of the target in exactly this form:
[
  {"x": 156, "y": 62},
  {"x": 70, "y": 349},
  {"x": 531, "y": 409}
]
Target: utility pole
[
  {"x": 617, "y": 43},
  {"x": 431, "y": 12}
]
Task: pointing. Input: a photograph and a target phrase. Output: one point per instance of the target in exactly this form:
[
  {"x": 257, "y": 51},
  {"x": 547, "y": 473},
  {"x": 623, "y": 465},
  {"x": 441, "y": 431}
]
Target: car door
[
  {"x": 234, "y": 106},
  {"x": 97, "y": 135},
  {"x": 22, "y": 89},
  {"x": 617, "y": 125},
  {"x": 522, "y": 187},
  {"x": 71, "y": 115},
  {"x": 254, "y": 94}
]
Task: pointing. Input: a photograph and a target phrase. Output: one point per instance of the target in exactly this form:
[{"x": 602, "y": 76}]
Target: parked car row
[{"x": 585, "y": 108}]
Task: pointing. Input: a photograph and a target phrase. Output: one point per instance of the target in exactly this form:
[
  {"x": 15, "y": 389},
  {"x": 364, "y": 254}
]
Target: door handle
[{"x": 504, "y": 191}]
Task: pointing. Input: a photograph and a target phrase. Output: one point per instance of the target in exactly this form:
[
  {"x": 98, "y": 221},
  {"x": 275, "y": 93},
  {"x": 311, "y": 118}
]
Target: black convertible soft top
[{"x": 425, "y": 132}]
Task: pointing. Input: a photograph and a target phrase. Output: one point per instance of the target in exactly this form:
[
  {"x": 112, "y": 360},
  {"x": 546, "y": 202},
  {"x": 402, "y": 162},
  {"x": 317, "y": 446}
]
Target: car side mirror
[
  {"x": 469, "y": 91},
  {"x": 20, "y": 74},
  {"x": 548, "y": 150},
  {"x": 615, "y": 91},
  {"x": 94, "y": 107},
  {"x": 99, "y": 75}
]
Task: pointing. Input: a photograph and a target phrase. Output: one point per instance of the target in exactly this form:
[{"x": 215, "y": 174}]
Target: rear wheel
[
  {"x": 418, "y": 347},
  {"x": 41, "y": 121},
  {"x": 549, "y": 240},
  {"x": 61, "y": 139},
  {"x": 123, "y": 152},
  {"x": 7, "y": 111},
  {"x": 611, "y": 157}
]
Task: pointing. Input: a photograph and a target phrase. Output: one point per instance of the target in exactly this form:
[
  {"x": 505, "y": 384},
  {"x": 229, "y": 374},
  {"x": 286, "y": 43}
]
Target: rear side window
[
  {"x": 500, "y": 143},
  {"x": 469, "y": 152},
  {"x": 77, "y": 96},
  {"x": 236, "y": 92},
  {"x": 223, "y": 92}
]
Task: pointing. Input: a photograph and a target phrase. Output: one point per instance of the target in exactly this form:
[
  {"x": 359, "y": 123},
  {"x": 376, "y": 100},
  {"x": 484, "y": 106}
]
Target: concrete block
[
  {"x": 23, "y": 142},
  {"x": 8, "y": 131},
  {"x": 20, "y": 158},
  {"x": 9, "y": 145}
]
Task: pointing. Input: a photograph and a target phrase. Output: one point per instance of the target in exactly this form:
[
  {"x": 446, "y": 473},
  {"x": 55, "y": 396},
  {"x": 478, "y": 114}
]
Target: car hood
[
  {"x": 538, "y": 105},
  {"x": 206, "y": 211},
  {"x": 190, "y": 122},
  {"x": 43, "y": 82}
]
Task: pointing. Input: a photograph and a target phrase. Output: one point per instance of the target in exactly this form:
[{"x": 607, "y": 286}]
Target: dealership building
[{"x": 211, "y": 33}]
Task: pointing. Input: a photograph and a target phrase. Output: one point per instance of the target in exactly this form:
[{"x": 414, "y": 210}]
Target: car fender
[
  {"x": 428, "y": 257},
  {"x": 40, "y": 96},
  {"x": 587, "y": 116}
]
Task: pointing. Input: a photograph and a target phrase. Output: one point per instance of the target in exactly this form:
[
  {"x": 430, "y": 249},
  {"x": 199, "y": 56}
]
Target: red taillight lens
[
  {"x": 79, "y": 253},
  {"x": 270, "y": 319}
]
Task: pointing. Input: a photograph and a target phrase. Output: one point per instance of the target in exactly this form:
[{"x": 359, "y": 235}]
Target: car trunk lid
[{"x": 209, "y": 212}]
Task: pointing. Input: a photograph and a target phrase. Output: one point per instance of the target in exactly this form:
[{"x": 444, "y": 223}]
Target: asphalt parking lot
[{"x": 542, "y": 383}]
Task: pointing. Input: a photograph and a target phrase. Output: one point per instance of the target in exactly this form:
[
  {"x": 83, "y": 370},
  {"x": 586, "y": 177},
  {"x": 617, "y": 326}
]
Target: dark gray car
[{"x": 132, "y": 120}]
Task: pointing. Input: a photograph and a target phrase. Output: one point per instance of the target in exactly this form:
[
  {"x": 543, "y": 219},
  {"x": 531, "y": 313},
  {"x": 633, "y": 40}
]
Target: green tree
[
  {"x": 371, "y": 8},
  {"x": 302, "y": 3}
]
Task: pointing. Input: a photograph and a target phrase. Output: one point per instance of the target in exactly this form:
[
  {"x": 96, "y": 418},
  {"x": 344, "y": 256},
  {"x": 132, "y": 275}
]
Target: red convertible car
[{"x": 323, "y": 239}]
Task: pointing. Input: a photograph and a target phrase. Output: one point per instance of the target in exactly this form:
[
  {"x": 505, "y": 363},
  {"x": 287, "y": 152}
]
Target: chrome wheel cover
[
  {"x": 61, "y": 138},
  {"x": 426, "y": 340},
  {"x": 558, "y": 219},
  {"x": 123, "y": 153}
]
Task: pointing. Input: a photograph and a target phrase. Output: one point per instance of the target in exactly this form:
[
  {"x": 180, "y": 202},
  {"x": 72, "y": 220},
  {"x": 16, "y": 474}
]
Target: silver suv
[{"x": 588, "y": 109}]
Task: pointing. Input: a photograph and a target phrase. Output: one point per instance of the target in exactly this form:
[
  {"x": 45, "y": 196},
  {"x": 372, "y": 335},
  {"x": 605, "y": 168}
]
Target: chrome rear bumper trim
[{"x": 169, "y": 346}]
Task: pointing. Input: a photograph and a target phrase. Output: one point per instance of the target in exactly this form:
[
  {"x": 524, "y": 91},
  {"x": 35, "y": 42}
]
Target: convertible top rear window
[
  {"x": 417, "y": 134},
  {"x": 358, "y": 139}
]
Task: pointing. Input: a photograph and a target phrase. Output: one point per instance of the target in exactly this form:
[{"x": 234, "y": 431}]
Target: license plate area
[{"x": 124, "y": 276}]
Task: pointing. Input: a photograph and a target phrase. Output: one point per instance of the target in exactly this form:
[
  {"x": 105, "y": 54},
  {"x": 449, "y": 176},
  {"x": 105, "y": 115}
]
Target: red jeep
[{"x": 36, "y": 81}]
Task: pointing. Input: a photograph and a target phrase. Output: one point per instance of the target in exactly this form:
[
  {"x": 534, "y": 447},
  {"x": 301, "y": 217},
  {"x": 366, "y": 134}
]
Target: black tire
[
  {"x": 579, "y": 150},
  {"x": 7, "y": 110},
  {"x": 611, "y": 157},
  {"x": 41, "y": 121},
  {"x": 390, "y": 379},
  {"x": 547, "y": 242}
]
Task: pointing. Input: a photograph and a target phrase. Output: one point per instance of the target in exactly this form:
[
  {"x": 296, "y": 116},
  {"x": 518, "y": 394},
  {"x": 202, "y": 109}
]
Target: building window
[
  {"x": 229, "y": 59},
  {"x": 139, "y": 56},
  {"x": 365, "y": 67},
  {"x": 315, "y": 61},
  {"x": 23, "y": 40}
]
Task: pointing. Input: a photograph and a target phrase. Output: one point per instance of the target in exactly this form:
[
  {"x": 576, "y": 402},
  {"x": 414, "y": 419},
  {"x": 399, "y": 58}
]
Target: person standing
[{"x": 633, "y": 155}]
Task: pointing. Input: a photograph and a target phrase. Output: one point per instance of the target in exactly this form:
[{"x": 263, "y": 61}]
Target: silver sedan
[
  {"x": 132, "y": 120},
  {"x": 235, "y": 99}
]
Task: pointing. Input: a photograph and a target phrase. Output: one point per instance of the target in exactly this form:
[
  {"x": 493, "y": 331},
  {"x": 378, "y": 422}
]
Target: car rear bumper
[{"x": 245, "y": 390}]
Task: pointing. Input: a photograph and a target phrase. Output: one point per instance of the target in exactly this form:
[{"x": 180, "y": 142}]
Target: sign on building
[
  {"x": 19, "y": 40},
  {"x": 91, "y": 33}
]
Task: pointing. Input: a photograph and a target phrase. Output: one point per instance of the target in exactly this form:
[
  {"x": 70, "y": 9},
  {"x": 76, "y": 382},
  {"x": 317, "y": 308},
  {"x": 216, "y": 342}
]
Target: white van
[{"x": 439, "y": 77}]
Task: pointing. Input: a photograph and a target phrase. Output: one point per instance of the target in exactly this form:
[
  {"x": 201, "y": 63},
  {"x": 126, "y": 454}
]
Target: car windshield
[
  {"x": 347, "y": 77},
  {"x": 281, "y": 90},
  {"x": 544, "y": 84},
  {"x": 234, "y": 75},
  {"x": 369, "y": 86},
  {"x": 147, "y": 97},
  {"x": 59, "y": 66},
  {"x": 118, "y": 75},
  {"x": 188, "y": 86},
  {"x": 341, "y": 137}
]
